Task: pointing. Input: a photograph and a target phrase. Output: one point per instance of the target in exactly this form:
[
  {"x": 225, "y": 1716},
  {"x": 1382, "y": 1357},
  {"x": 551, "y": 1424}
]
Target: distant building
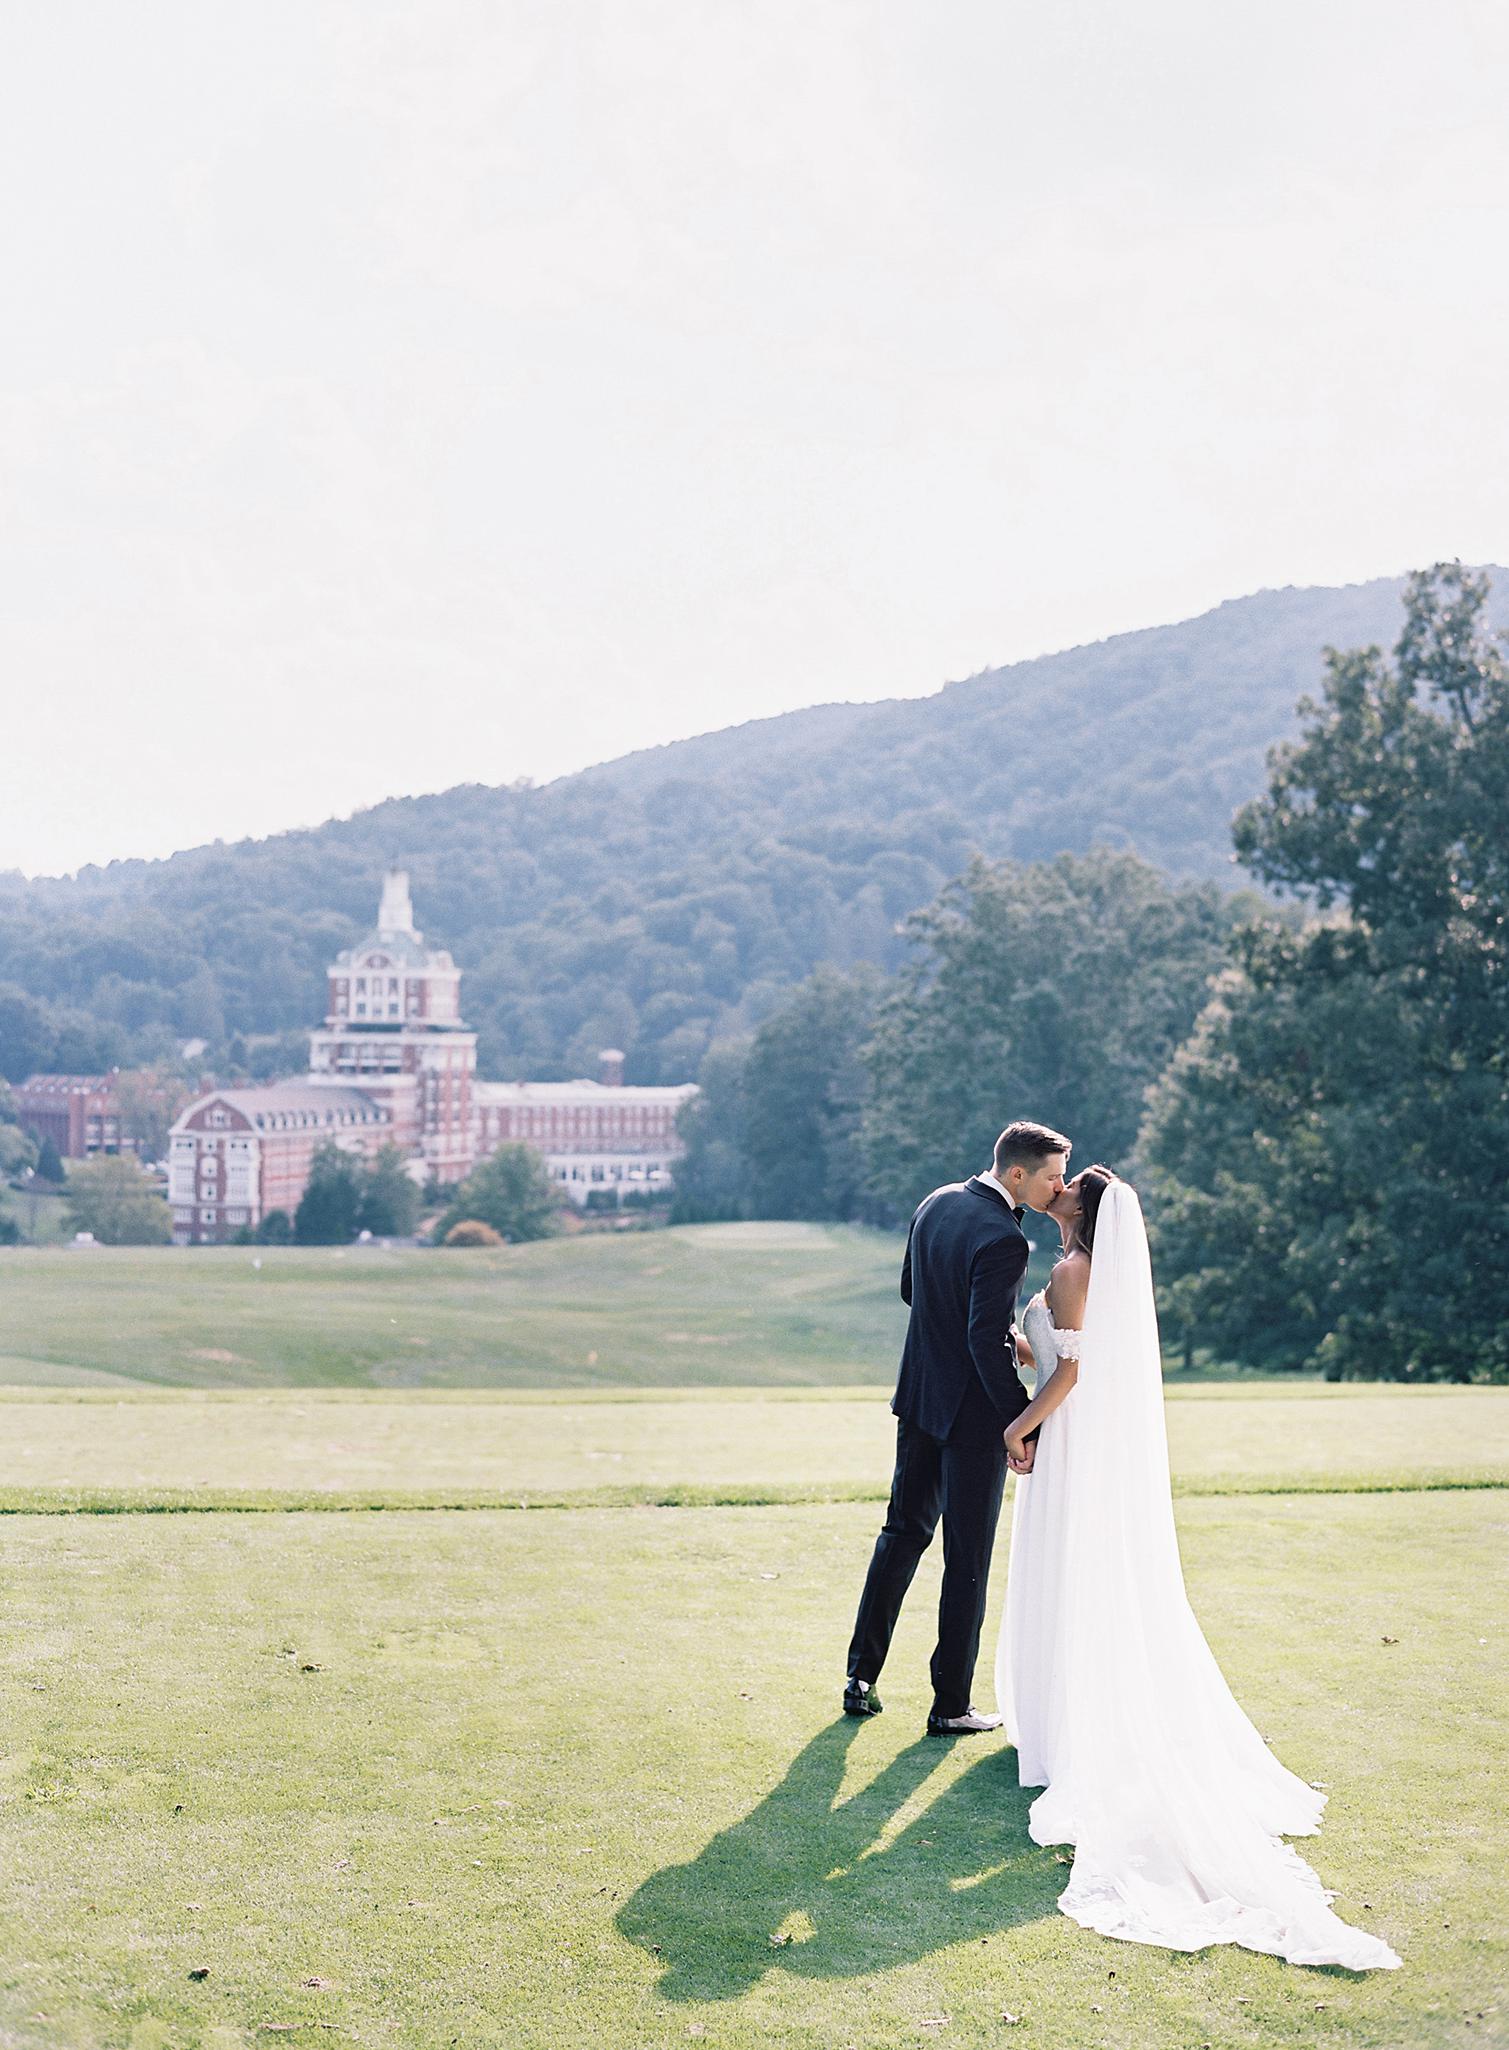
[
  {"x": 605, "y": 1135},
  {"x": 238, "y": 1153},
  {"x": 81, "y": 1114},
  {"x": 393, "y": 1028},
  {"x": 394, "y": 1064}
]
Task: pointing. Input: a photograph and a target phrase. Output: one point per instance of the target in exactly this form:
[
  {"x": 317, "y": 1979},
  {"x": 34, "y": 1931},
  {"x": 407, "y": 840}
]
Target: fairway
[
  {"x": 528, "y": 1780},
  {"x": 355, "y": 1448},
  {"x": 718, "y": 1304},
  {"x": 530, "y": 1739}
]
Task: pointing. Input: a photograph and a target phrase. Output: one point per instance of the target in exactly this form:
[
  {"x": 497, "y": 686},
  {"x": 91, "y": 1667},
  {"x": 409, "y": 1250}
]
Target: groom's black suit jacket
[{"x": 966, "y": 1254}]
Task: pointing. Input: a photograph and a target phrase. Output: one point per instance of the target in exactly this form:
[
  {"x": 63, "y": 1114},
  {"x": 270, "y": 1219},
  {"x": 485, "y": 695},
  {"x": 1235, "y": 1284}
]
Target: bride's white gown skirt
[{"x": 1173, "y": 1802}]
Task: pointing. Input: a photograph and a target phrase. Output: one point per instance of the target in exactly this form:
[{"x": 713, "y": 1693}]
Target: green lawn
[
  {"x": 532, "y": 1780},
  {"x": 477, "y": 1776},
  {"x": 190, "y": 1448},
  {"x": 721, "y": 1304}
]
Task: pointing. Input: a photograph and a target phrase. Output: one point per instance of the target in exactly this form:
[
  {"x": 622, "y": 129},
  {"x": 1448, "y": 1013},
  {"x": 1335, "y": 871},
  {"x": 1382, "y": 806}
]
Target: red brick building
[
  {"x": 393, "y": 1028},
  {"x": 604, "y": 1135},
  {"x": 394, "y": 1064},
  {"x": 239, "y": 1153},
  {"x": 81, "y": 1114}
]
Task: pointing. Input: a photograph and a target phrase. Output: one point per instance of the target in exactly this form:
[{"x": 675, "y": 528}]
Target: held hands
[{"x": 1019, "y": 1454}]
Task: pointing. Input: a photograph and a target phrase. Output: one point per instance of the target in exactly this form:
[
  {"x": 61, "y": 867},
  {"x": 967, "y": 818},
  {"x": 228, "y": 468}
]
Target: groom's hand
[{"x": 1019, "y": 1453}]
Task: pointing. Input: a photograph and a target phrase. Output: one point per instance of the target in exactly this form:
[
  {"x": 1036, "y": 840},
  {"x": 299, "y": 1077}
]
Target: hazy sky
[{"x": 400, "y": 395}]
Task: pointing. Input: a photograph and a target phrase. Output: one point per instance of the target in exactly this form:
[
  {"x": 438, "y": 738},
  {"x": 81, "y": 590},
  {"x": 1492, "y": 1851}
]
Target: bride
[{"x": 1175, "y": 1805}]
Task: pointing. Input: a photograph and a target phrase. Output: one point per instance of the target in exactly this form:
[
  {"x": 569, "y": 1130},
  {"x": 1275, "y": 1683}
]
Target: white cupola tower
[
  {"x": 393, "y": 1027},
  {"x": 395, "y": 914}
]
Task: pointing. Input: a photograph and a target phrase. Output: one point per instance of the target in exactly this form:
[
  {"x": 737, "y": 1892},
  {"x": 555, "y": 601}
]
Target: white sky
[{"x": 399, "y": 395}]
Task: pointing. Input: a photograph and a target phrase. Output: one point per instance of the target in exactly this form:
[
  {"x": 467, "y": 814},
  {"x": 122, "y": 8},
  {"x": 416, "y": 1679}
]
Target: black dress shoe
[
  {"x": 970, "y": 1724},
  {"x": 861, "y": 1700}
]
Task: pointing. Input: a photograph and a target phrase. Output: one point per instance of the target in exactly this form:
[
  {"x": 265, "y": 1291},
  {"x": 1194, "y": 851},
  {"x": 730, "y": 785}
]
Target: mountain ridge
[{"x": 666, "y": 898}]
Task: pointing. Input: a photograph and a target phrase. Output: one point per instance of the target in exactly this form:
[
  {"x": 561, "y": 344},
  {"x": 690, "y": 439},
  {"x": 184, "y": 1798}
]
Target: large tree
[
  {"x": 804, "y": 1088},
  {"x": 18, "y": 1150},
  {"x": 331, "y": 1202},
  {"x": 113, "y": 1199},
  {"x": 712, "y": 1175},
  {"x": 1327, "y": 1154},
  {"x": 1055, "y": 991},
  {"x": 150, "y": 1099},
  {"x": 512, "y": 1192},
  {"x": 390, "y": 1201}
]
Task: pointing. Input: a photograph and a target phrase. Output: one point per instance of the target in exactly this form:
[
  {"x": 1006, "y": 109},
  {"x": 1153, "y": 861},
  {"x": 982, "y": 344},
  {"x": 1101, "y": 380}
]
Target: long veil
[{"x": 1173, "y": 1802}]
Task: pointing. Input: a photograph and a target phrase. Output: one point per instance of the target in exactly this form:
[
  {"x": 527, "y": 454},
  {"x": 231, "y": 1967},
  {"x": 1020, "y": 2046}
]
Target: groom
[{"x": 966, "y": 1254}]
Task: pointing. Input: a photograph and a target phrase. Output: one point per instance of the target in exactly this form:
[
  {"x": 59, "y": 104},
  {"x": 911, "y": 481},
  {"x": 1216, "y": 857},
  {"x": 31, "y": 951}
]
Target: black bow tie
[{"x": 1018, "y": 1211}]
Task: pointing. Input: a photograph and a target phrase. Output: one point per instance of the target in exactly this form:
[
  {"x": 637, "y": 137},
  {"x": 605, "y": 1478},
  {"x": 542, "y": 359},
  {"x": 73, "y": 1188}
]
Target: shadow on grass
[{"x": 854, "y": 1897}]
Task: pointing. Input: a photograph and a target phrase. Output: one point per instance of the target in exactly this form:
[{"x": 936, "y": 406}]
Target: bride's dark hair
[{"x": 1092, "y": 1184}]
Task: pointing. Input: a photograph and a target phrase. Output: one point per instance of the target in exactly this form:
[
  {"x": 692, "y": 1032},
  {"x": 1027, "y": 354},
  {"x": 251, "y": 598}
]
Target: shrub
[{"x": 471, "y": 1231}]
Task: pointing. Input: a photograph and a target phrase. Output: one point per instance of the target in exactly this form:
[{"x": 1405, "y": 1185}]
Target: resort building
[
  {"x": 606, "y": 1135},
  {"x": 239, "y": 1153},
  {"x": 395, "y": 1064},
  {"x": 393, "y": 1029},
  {"x": 81, "y": 1114}
]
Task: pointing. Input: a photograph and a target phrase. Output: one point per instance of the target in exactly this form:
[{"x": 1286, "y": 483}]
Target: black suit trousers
[{"x": 961, "y": 1479}]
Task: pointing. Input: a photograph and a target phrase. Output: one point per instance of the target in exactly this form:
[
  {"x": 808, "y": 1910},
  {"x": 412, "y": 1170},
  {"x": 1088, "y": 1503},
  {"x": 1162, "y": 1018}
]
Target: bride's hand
[{"x": 1018, "y": 1452}]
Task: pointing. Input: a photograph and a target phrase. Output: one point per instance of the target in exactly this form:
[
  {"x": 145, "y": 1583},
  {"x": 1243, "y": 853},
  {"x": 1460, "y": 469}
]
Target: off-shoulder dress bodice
[{"x": 1049, "y": 1344}]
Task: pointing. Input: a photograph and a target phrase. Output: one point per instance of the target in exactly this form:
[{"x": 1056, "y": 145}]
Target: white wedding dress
[{"x": 1175, "y": 1805}]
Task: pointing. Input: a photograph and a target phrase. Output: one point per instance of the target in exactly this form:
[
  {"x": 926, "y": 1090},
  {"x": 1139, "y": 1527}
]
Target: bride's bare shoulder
[{"x": 1068, "y": 1285}]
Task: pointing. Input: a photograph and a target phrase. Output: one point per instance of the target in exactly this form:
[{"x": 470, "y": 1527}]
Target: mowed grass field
[
  {"x": 721, "y": 1305},
  {"x": 508, "y": 1773},
  {"x": 666, "y": 1448}
]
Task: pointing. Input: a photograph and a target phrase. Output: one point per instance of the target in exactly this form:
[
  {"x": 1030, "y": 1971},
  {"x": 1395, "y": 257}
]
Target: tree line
[
  {"x": 1311, "y": 1087},
  {"x": 1313, "y": 1094},
  {"x": 668, "y": 900}
]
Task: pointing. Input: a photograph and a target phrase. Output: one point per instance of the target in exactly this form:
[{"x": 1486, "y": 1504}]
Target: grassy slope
[
  {"x": 719, "y": 1304},
  {"x": 560, "y": 1778},
  {"x": 780, "y": 1305}
]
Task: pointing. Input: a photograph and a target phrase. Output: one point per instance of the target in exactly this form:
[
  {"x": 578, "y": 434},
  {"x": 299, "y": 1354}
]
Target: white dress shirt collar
[{"x": 994, "y": 1181}]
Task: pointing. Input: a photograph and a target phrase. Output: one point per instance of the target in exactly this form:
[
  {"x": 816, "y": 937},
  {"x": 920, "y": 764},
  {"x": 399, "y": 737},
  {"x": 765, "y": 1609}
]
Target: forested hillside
[{"x": 667, "y": 898}]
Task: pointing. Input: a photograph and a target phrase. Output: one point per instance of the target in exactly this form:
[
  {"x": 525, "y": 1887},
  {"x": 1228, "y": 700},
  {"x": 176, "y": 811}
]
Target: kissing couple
[{"x": 1176, "y": 1807}]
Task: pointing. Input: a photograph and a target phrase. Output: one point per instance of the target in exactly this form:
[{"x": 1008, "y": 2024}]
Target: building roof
[
  {"x": 66, "y": 1085},
  {"x": 395, "y": 933},
  {"x": 582, "y": 1092},
  {"x": 403, "y": 950},
  {"x": 279, "y": 1103}
]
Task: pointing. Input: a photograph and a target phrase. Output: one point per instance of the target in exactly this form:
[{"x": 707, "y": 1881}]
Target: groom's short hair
[{"x": 1024, "y": 1144}]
